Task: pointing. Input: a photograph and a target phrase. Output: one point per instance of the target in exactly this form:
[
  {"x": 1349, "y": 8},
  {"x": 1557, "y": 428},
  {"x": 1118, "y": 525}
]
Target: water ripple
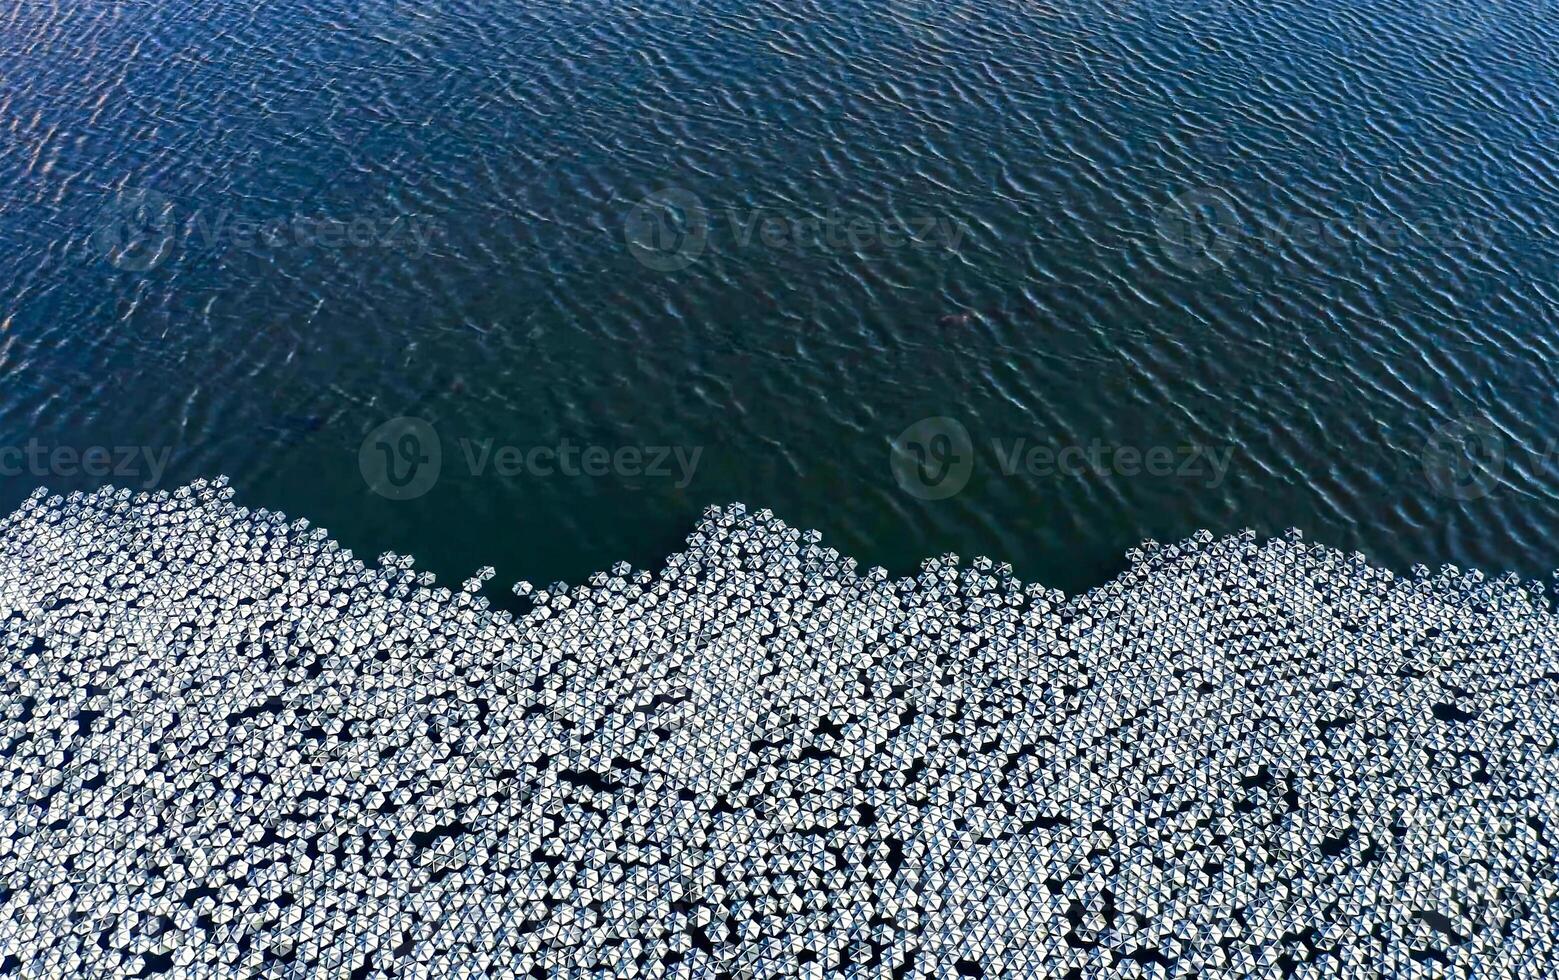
[{"x": 1317, "y": 236}]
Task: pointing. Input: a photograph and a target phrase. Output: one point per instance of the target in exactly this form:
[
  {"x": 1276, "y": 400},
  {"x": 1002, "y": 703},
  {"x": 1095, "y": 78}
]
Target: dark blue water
[{"x": 1034, "y": 280}]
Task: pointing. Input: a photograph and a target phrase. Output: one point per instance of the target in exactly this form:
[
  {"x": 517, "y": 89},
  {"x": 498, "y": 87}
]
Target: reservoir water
[{"x": 530, "y": 285}]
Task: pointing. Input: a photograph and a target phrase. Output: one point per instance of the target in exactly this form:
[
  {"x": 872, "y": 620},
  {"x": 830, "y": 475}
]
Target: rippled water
[{"x": 1295, "y": 259}]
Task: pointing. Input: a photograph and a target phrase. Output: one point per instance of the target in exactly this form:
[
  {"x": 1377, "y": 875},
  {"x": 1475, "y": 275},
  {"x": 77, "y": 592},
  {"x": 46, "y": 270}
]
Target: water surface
[{"x": 1315, "y": 241}]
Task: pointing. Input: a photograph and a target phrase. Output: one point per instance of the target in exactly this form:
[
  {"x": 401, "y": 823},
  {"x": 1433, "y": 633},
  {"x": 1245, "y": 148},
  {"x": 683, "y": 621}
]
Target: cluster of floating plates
[{"x": 228, "y": 748}]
